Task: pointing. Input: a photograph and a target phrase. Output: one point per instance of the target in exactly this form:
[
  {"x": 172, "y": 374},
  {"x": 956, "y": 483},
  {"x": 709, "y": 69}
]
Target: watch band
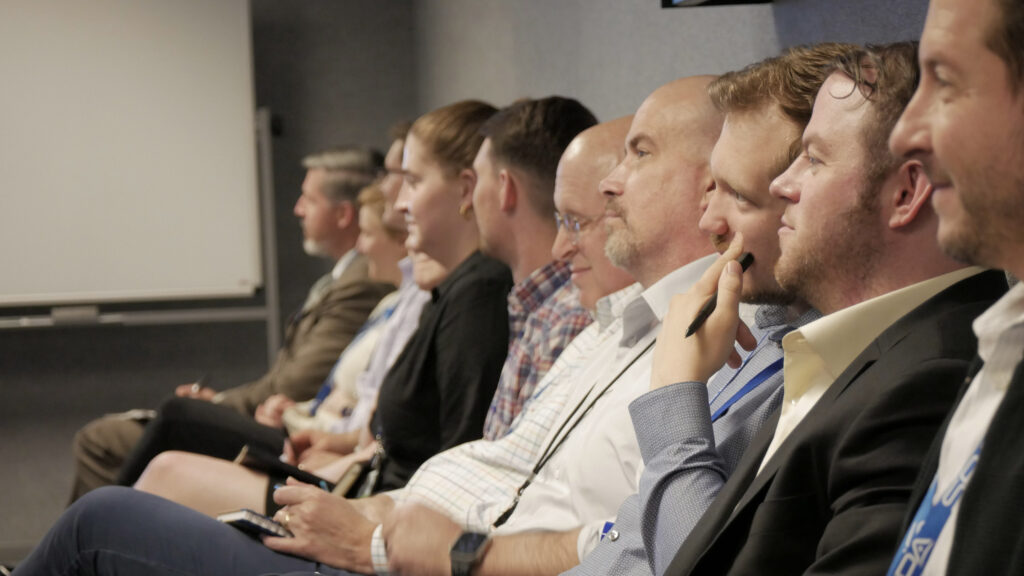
[{"x": 467, "y": 550}]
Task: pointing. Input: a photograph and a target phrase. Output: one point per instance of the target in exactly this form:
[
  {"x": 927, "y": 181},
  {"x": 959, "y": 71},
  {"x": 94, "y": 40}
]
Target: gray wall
[
  {"x": 609, "y": 54},
  {"x": 332, "y": 73},
  {"x": 862, "y": 21},
  {"x": 341, "y": 71}
]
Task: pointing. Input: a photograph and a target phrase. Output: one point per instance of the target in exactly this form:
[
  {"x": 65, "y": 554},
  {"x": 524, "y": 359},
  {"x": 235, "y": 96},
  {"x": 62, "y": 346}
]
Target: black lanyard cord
[{"x": 558, "y": 439}]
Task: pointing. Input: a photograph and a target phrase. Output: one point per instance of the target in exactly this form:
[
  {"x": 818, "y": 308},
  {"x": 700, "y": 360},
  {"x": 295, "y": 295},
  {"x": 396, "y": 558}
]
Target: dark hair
[
  {"x": 887, "y": 76},
  {"x": 452, "y": 133},
  {"x": 349, "y": 169},
  {"x": 1005, "y": 37},
  {"x": 531, "y": 135},
  {"x": 791, "y": 80}
]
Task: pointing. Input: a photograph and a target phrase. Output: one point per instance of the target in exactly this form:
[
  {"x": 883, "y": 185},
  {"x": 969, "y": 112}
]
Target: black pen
[{"x": 745, "y": 260}]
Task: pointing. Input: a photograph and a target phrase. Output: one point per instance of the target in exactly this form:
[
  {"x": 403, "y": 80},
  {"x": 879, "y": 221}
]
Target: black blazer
[
  {"x": 831, "y": 499},
  {"x": 990, "y": 525}
]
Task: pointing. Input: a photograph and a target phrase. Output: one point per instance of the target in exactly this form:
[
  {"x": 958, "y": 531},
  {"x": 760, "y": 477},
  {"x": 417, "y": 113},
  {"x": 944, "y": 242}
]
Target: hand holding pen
[
  {"x": 679, "y": 358},
  {"x": 745, "y": 260}
]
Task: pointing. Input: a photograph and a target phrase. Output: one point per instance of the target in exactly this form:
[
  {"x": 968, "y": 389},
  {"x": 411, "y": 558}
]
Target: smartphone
[{"x": 254, "y": 523}]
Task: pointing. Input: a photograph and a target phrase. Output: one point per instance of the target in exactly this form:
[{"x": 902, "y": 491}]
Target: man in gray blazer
[{"x": 337, "y": 306}]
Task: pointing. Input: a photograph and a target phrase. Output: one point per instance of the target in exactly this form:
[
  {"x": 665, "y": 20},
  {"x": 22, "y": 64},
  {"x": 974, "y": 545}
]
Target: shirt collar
[
  {"x": 840, "y": 337},
  {"x": 1005, "y": 314},
  {"x": 647, "y": 311},
  {"x": 611, "y": 307},
  {"x": 405, "y": 267},
  {"x": 342, "y": 264},
  {"x": 531, "y": 292},
  {"x": 777, "y": 320},
  {"x": 464, "y": 268}
]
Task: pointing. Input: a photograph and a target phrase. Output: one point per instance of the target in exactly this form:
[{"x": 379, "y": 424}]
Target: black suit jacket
[
  {"x": 831, "y": 499},
  {"x": 990, "y": 525}
]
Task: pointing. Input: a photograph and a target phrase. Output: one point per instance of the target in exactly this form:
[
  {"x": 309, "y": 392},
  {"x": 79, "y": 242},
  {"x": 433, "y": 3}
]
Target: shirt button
[{"x": 613, "y": 535}]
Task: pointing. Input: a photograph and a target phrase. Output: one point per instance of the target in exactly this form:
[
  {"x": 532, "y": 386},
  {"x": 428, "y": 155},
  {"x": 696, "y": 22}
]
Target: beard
[
  {"x": 986, "y": 226},
  {"x": 759, "y": 295},
  {"x": 312, "y": 248},
  {"x": 844, "y": 252},
  {"x": 620, "y": 246},
  {"x": 756, "y": 291}
]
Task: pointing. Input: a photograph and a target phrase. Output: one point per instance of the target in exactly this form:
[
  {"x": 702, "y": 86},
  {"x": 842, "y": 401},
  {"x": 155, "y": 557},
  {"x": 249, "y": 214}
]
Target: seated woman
[
  {"x": 117, "y": 530},
  {"x": 213, "y": 486},
  {"x": 334, "y": 408},
  {"x": 170, "y": 472}
]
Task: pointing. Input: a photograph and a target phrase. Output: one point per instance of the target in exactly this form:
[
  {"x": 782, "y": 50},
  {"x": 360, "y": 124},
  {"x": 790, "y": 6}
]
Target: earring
[{"x": 464, "y": 211}]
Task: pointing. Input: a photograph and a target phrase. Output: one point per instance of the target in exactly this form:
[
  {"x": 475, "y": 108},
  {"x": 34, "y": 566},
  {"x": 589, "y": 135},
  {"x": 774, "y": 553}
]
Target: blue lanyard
[
  {"x": 931, "y": 517},
  {"x": 328, "y": 386},
  {"x": 754, "y": 382}
]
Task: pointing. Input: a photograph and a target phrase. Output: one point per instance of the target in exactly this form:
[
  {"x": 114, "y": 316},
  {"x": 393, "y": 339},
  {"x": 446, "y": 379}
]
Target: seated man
[
  {"x": 823, "y": 487},
  {"x": 338, "y": 305},
  {"x": 965, "y": 124},
  {"x": 512, "y": 201}
]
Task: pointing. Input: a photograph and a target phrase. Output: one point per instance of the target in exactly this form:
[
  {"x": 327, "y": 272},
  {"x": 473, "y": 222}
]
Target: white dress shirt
[
  {"x": 1000, "y": 332},
  {"x": 599, "y": 464},
  {"x": 472, "y": 482},
  {"x": 815, "y": 355}
]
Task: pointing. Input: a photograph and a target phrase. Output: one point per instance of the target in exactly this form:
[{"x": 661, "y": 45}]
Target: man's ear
[
  {"x": 467, "y": 182},
  {"x": 910, "y": 193},
  {"x": 508, "y": 191},
  {"x": 347, "y": 215}
]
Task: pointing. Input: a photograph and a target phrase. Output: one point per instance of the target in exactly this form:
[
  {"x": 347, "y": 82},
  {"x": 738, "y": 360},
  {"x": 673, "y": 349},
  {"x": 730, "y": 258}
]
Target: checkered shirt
[{"x": 544, "y": 316}]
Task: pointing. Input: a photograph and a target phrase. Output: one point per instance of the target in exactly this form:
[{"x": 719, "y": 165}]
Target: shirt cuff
[
  {"x": 681, "y": 411},
  {"x": 379, "y": 552}
]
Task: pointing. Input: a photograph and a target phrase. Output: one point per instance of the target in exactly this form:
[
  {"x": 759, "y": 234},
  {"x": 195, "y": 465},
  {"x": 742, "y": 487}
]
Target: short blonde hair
[{"x": 372, "y": 199}]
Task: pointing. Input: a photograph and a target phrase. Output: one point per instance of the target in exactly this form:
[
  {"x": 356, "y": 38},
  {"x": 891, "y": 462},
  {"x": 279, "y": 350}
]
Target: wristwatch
[{"x": 467, "y": 551}]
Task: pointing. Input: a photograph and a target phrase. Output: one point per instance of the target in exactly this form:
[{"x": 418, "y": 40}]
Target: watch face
[{"x": 469, "y": 542}]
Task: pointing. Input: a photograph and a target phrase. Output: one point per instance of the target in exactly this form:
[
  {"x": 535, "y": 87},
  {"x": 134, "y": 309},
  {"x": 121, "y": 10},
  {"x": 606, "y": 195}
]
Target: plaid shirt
[{"x": 544, "y": 316}]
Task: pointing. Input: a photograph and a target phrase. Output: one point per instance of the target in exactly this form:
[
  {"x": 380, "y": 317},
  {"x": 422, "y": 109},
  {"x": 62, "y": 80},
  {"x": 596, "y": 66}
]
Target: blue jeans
[{"x": 122, "y": 531}]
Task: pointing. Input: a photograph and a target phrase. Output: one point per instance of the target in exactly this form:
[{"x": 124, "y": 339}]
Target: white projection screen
[{"x": 127, "y": 151}]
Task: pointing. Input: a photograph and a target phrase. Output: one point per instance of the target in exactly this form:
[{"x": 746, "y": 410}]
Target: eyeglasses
[{"x": 572, "y": 225}]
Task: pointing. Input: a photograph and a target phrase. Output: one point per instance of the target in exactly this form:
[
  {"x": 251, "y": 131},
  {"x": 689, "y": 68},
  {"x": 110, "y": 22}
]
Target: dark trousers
[
  {"x": 116, "y": 530},
  {"x": 201, "y": 427}
]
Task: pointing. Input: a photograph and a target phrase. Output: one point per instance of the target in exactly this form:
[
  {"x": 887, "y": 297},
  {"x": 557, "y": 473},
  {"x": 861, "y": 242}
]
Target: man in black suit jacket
[
  {"x": 823, "y": 487},
  {"x": 965, "y": 124}
]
